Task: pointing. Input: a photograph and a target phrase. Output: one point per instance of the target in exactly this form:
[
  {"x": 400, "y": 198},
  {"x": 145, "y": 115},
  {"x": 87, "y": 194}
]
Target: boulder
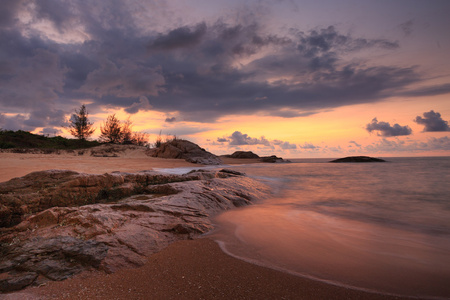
[
  {"x": 357, "y": 159},
  {"x": 186, "y": 150}
]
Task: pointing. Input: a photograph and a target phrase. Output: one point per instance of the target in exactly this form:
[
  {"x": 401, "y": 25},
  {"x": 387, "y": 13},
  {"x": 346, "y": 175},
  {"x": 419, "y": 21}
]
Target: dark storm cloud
[
  {"x": 16, "y": 122},
  {"x": 58, "y": 12},
  {"x": 428, "y": 91},
  {"x": 203, "y": 71},
  {"x": 142, "y": 104},
  {"x": 385, "y": 129},
  {"x": 325, "y": 40},
  {"x": 129, "y": 80},
  {"x": 179, "y": 38},
  {"x": 432, "y": 121},
  {"x": 170, "y": 120},
  {"x": 8, "y": 11}
]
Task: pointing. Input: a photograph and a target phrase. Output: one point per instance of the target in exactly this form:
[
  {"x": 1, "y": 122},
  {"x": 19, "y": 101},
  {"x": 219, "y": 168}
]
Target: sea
[{"x": 381, "y": 227}]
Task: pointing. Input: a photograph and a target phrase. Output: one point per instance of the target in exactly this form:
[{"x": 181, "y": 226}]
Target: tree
[
  {"x": 80, "y": 127},
  {"x": 127, "y": 133},
  {"x": 111, "y": 131},
  {"x": 140, "y": 138}
]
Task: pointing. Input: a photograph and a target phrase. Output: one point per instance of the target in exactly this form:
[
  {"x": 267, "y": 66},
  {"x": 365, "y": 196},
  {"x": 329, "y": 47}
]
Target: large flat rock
[{"x": 68, "y": 222}]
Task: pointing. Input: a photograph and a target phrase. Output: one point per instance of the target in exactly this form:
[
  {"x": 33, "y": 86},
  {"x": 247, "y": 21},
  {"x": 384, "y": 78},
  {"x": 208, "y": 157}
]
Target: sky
[{"x": 291, "y": 78}]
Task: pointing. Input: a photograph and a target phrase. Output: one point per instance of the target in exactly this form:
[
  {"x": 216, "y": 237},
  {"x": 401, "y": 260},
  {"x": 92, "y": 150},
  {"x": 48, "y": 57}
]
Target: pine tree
[{"x": 80, "y": 127}]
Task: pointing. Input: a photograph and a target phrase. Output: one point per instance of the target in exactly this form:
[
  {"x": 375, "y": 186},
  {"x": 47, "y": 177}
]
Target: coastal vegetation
[
  {"x": 20, "y": 139},
  {"x": 113, "y": 131},
  {"x": 80, "y": 127}
]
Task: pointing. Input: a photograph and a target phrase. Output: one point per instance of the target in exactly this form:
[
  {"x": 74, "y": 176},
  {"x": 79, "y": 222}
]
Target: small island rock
[{"x": 357, "y": 159}]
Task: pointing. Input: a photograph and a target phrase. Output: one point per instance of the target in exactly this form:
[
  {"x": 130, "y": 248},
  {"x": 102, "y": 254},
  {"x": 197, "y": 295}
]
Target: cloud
[
  {"x": 385, "y": 129},
  {"x": 354, "y": 143},
  {"x": 329, "y": 40},
  {"x": 129, "y": 80},
  {"x": 50, "y": 131},
  {"x": 46, "y": 117},
  {"x": 222, "y": 140},
  {"x": 432, "y": 121},
  {"x": 237, "y": 139},
  {"x": 55, "y": 12},
  {"x": 434, "y": 90},
  {"x": 284, "y": 145},
  {"x": 432, "y": 144},
  {"x": 143, "y": 104},
  {"x": 309, "y": 146},
  {"x": 407, "y": 27},
  {"x": 183, "y": 130},
  {"x": 14, "y": 122},
  {"x": 8, "y": 11},
  {"x": 179, "y": 38},
  {"x": 119, "y": 53},
  {"x": 170, "y": 120}
]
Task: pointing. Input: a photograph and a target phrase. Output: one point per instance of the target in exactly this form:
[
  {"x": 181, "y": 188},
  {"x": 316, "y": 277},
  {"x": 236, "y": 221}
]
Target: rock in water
[
  {"x": 186, "y": 150},
  {"x": 68, "y": 226},
  {"x": 274, "y": 159},
  {"x": 357, "y": 159}
]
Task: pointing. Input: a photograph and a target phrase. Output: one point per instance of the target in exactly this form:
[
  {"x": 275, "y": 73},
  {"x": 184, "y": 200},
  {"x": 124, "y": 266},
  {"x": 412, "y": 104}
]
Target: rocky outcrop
[
  {"x": 186, "y": 150},
  {"x": 357, "y": 159},
  {"x": 251, "y": 155},
  {"x": 135, "y": 215},
  {"x": 242, "y": 155},
  {"x": 38, "y": 191},
  {"x": 274, "y": 159}
]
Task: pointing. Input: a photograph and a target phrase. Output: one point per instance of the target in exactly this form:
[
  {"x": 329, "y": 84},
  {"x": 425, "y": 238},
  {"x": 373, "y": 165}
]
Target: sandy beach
[
  {"x": 193, "y": 269},
  {"x": 131, "y": 160}
]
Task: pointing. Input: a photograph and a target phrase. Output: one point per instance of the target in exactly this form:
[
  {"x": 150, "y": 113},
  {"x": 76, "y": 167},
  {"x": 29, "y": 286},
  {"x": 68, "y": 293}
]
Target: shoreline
[
  {"x": 200, "y": 258},
  {"x": 194, "y": 269}
]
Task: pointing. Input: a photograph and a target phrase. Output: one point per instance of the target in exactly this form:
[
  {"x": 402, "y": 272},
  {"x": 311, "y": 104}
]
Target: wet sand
[{"x": 195, "y": 269}]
